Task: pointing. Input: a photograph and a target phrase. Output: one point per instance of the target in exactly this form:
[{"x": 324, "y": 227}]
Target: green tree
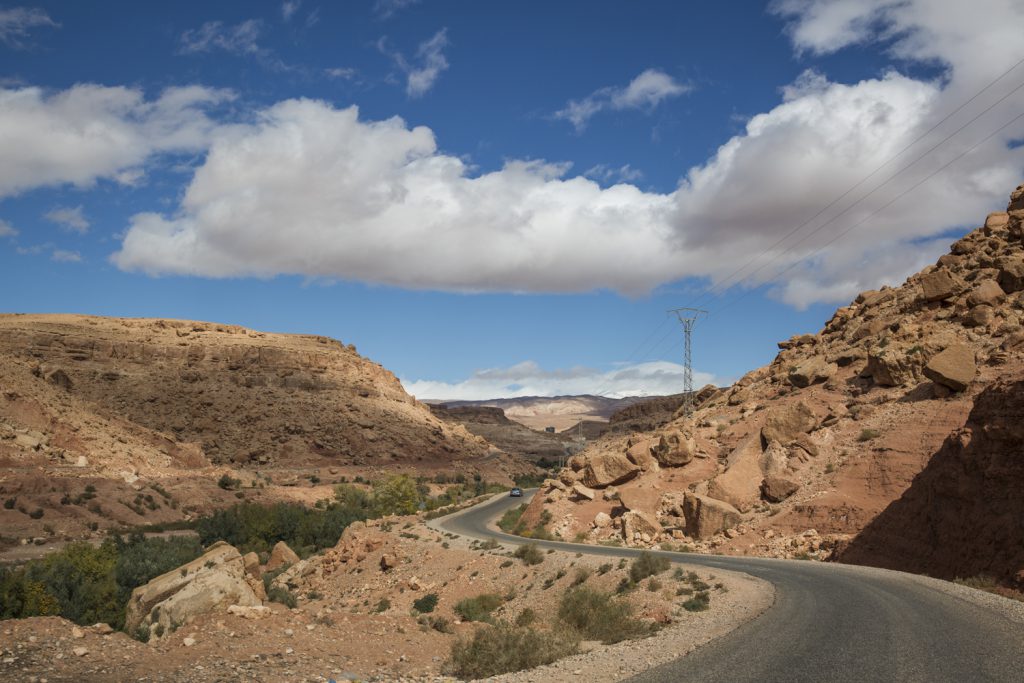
[{"x": 395, "y": 495}]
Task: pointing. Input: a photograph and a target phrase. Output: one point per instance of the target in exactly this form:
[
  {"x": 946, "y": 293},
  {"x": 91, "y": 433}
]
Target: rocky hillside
[
  {"x": 560, "y": 412},
  {"x": 102, "y": 402},
  {"x": 817, "y": 449},
  {"x": 502, "y": 433}
]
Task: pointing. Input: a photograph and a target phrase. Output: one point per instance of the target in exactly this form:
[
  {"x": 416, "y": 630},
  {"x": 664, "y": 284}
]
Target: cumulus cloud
[
  {"x": 70, "y": 219},
  {"x": 89, "y": 132},
  {"x": 239, "y": 39},
  {"x": 425, "y": 68},
  {"x": 65, "y": 256},
  {"x": 529, "y": 379},
  {"x": 646, "y": 91},
  {"x": 17, "y": 22},
  {"x": 6, "y": 229}
]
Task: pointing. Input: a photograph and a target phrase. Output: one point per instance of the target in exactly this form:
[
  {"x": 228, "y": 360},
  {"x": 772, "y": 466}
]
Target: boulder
[
  {"x": 640, "y": 454},
  {"x": 812, "y": 371},
  {"x": 738, "y": 485},
  {"x": 602, "y": 520},
  {"x": 640, "y": 527},
  {"x": 778, "y": 489},
  {"x": 1011, "y": 275},
  {"x": 212, "y": 582},
  {"x": 986, "y": 293},
  {"x": 707, "y": 516},
  {"x": 938, "y": 285},
  {"x": 582, "y": 492},
  {"x": 997, "y": 221},
  {"x": 639, "y": 500},
  {"x": 979, "y": 316},
  {"x": 603, "y": 469},
  {"x": 893, "y": 365},
  {"x": 954, "y": 368},
  {"x": 786, "y": 424},
  {"x": 673, "y": 450},
  {"x": 59, "y": 378},
  {"x": 388, "y": 562},
  {"x": 280, "y": 556}
]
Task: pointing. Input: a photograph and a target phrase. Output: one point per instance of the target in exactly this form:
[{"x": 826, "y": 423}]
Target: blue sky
[{"x": 499, "y": 198}]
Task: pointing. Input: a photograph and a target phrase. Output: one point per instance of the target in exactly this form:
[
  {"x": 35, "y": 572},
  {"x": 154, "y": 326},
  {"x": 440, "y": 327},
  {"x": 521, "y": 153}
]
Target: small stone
[
  {"x": 188, "y": 642},
  {"x": 80, "y": 651},
  {"x": 77, "y": 632}
]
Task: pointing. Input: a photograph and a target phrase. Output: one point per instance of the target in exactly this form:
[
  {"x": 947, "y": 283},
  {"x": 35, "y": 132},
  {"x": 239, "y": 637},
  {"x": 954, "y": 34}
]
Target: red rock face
[{"x": 963, "y": 515}]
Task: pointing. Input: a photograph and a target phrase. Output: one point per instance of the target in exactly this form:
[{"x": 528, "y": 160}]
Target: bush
[
  {"x": 257, "y": 528},
  {"x": 868, "y": 434},
  {"x": 10, "y": 503},
  {"x": 383, "y": 605},
  {"x": 503, "y": 648},
  {"x": 426, "y": 604},
  {"x": 509, "y": 521},
  {"x": 529, "y": 554},
  {"x": 647, "y": 565},
  {"x": 698, "y": 603},
  {"x": 478, "y": 608},
  {"x": 526, "y": 617},
  {"x": 228, "y": 483},
  {"x": 283, "y": 596},
  {"x": 599, "y": 616}
]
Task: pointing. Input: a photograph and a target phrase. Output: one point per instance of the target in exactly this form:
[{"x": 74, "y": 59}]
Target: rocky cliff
[{"x": 803, "y": 455}]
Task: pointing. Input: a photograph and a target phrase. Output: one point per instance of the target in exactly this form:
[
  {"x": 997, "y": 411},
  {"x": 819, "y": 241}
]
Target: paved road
[{"x": 830, "y": 622}]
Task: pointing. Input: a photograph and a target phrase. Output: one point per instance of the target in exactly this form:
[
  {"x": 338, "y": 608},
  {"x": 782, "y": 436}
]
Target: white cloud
[
  {"x": 646, "y": 91},
  {"x": 289, "y": 8},
  {"x": 656, "y": 378},
  {"x": 239, "y": 39},
  {"x": 65, "y": 256},
  {"x": 607, "y": 174},
  {"x": 342, "y": 73},
  {"x": 70, "y": 219},
  {"x": 423, "y": 71},
  {"x": 17, "y": 22},
  {"x": 89, "y": 132},
  {"x": 6, "y": 229},
  {"x": 385, "y": 9}
]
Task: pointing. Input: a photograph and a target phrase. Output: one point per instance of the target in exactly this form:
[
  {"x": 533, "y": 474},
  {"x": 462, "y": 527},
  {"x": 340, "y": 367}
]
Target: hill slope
[{"x": 803, "y": 455}]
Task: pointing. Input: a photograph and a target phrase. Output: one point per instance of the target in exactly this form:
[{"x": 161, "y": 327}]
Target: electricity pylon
[{"x": 688, "y": 318}]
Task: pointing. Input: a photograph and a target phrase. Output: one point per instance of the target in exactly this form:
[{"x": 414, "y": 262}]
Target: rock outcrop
[
  {"x": 213, "y": 582},
  {"x": 706, "y": 516}
]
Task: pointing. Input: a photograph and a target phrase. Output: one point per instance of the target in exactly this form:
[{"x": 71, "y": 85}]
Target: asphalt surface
[{"x": 830, "y": 622}]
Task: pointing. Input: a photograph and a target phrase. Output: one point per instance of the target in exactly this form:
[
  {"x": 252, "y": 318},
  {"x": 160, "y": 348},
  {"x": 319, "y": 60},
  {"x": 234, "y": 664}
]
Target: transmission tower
[{"x": 688, "y": 318}]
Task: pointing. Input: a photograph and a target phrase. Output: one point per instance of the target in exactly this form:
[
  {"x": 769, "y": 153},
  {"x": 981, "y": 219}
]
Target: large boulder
[
  {"x": 778, "y": 489},
  {"x": 1011, "y": 274},
  {"x": 210, "y": 583},
  {"x": 954, "y": 368},
  {"x": 706, "y": 516},
  {"x": 938, "y": 285},
  {"x": 582, "y": 492},
  {"x": 673, "y": 450},
  {"x": 812, "y": 371},
  {"x": 640, "y": 527},
  {"x": 738, "y": 485},
  {"x": 893, "y": 365},
  {"x": 986, "y": 293},
  {"x": 604, "y": 469},
  {"x": 786, "y": 424},
  {"x": 280, "y": 556},
  {"x": 639, "y": 454}
]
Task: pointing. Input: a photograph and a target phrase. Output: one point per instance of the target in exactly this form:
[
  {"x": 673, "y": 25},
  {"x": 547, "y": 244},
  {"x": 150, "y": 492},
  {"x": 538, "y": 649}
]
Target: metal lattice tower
[{"x": 688, "y": 318}]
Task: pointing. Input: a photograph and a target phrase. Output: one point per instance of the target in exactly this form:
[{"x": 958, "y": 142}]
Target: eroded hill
[
  {"x": 847, "y": 432},
  {"x": 105, "y": 402}
]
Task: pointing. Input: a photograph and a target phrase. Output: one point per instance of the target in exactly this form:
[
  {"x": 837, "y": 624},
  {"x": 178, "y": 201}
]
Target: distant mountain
[{"x": 560, "y": 412}]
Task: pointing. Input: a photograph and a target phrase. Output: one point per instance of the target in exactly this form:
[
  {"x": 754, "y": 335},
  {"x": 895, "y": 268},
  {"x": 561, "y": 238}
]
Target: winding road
[{"x": 830, "y": 622}]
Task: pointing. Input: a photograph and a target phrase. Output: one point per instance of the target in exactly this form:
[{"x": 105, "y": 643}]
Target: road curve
[{"x": 830, "y": 622}]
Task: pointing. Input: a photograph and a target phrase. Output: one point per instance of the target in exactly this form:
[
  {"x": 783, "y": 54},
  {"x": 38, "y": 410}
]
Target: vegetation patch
[
  {"x": 596, "y": 615},
  {"x": 478, "y": 608},
  {"x": 503, "y": 648}
]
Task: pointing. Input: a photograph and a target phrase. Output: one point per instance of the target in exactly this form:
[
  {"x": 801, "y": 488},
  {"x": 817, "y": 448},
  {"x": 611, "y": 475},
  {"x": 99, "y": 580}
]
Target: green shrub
[
  {"x": 698, "y": 603},
  {"x": 599, "y": 616},
  {"x": 10, "y": 503},
  {"x": 647, "y": 565},
  {"x": 503, "y": 648},
  {"x": 426, "y": 604},
  {"x": 383, "y": 605},
  {"x": 478, "y": 608},
  {"x": 529, "y": 554},
  {"x": 868, "y": 434},
  {"x": 252, "y": 527},
  {"x": 582, "y": 574},
  {"x": 283, "y": 596},
  {"x": 526, "y": 617},
  {"x": 510, "y": 521},
  {"x": 228, "y": 483}
]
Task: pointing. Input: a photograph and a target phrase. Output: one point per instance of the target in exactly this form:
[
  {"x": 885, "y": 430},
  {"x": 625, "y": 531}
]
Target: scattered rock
[
  {"x": 582, "y": 492},
  {"x": 603, "y": 469},
  {"x": 280, "y": 556},
  {"x": 812, "y": 371},
  {"x": 706, "y": 516},
  {"x": 786, "y": 424},
  {"x": 938, "y": 285},
  {"x": 674, "y": 450},
  {"x": 778, "y": 489}
]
